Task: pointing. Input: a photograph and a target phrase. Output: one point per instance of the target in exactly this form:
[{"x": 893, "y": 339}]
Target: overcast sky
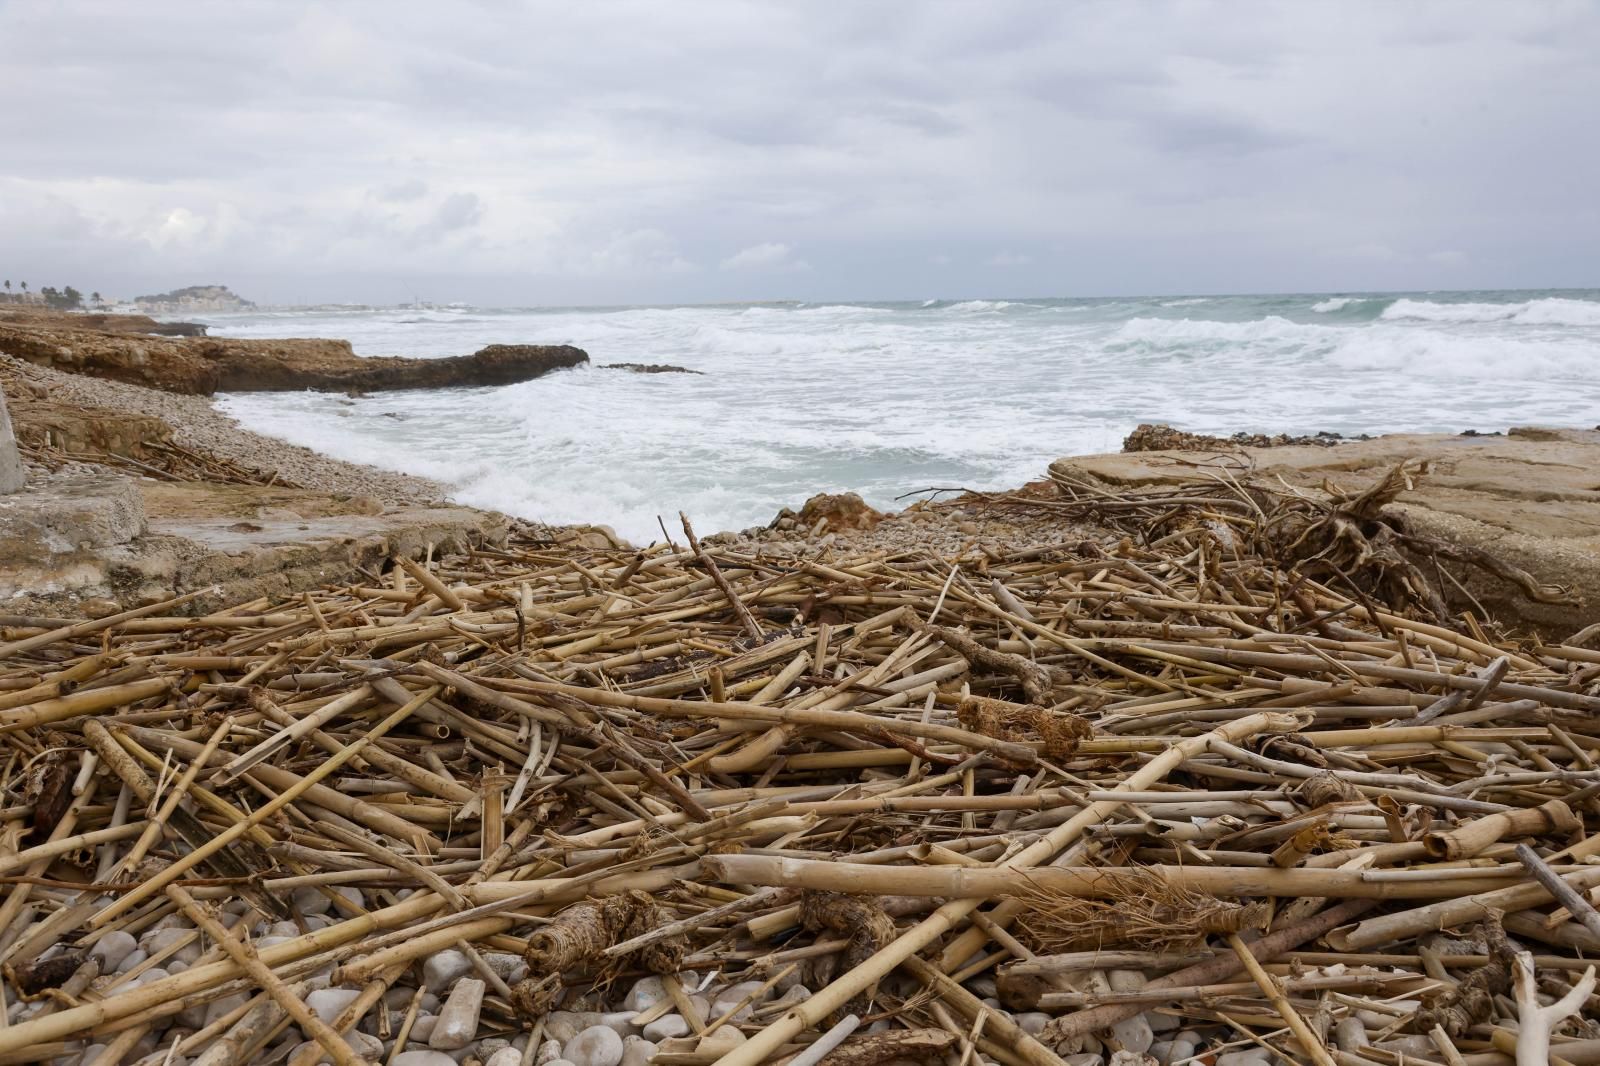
[{"x": 633, "y": 152}]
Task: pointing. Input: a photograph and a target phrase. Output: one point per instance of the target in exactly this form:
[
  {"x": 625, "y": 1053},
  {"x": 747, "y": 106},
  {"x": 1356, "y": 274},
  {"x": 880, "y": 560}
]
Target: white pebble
[
  {"x": 637, "y": 1051},
  {"x": 444, "y": 968},
  {"x": 112, "y": 948},
  {"x": 1162, "y": 1022},
  {"x": 1033, "y": 1022},
  {"x": 563, "y": 1025},
  {"x": 792, "y": 995},
  {"x": 731, "y": 997},
  {"x": 422, "y": 1028},
  {"x": 363, "y": 1044},
  {"x": 597, "y": 1045},
  {"x": 1083, "y": 1058},
  {"x": 423, "y": 1057},
  {"x": 150, "y": 976},
  {"x": 549, "y": 1052},
  {"x": 1134, "y": 1034},
  {"x": 621, "y": 1021},
  {"x": 310, "y": 901},
  {"x": 326, "y": 1003},
  {"x": 506, "y": 1056},
  {"x": 645, "y": 993},
  {"x": 1165, "y": 1051},
  {"x": 458, "y": 1020},
  {"x": 1249, "y": 1057},
  {"x": 351, "y": 895},
  {"x": 666, "y": 1027},
  {"x": 506, "y": 966},
  {"x": 131, "y": 959},
  {"x": 217, "y": 1008},
  {"x": 1130, "y": 1058},
  {"x": 162, "y": 939},
  {"x": 723, "y": 1040},
  {"x": 1126, "y": 980}
]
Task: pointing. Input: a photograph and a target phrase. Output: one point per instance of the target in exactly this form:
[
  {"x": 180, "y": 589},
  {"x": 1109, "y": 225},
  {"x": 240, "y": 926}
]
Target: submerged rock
[{"x": 651, "y": 368}]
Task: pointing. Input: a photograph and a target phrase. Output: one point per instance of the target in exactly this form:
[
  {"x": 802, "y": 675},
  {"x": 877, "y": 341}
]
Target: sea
[{"x": 893, "y": 399}]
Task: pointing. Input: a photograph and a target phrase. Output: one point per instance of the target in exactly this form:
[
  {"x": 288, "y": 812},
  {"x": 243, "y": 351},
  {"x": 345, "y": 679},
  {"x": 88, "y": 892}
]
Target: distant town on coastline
[{"x": 191, "y": 299}]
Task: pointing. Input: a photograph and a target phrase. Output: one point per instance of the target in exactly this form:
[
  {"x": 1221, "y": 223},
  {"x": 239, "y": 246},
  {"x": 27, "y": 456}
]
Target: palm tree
[
  {"x": 95, "y": 297},
  {"x": 8, "y": 284},
  {"x": 24, "y": 285}
]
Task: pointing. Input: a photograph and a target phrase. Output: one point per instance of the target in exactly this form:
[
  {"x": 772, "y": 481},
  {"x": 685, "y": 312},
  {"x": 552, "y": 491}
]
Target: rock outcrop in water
[
  {"x": 204, "y": 365},
  {"x": 650, "y": 368},
  {"x": 194, "y": 298}
]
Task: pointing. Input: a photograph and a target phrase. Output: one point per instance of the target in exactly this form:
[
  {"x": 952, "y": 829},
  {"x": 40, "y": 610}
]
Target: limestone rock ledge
[
  {"x": 1530, "y": 497},
  {"x": 73, "y": 537},
  {"x": 205, "y": 365}
]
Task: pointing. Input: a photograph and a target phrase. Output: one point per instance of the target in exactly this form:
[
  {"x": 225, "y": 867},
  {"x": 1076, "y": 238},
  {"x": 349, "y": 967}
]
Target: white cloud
[
  {"x": 770, "y": 255},
  {"x": 1010, "y": 259}
]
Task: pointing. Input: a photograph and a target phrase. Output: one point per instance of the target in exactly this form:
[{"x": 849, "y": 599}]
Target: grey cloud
[{"x": 601, "y": 151}]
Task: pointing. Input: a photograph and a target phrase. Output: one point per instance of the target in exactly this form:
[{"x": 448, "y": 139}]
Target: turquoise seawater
[{"x": 888, "y": 398}]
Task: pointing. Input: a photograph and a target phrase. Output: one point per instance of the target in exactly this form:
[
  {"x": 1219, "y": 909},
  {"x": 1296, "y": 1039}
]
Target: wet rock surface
[{"x": 199, "y": 365}]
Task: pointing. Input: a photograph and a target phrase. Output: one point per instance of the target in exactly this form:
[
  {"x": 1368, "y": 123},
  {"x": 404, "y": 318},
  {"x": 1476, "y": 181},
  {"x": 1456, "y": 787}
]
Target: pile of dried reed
[{"x": 1201, "y": 788}]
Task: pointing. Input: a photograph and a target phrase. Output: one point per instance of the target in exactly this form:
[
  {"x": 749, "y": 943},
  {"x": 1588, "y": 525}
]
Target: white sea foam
[
  {"x": 884, "y": 400},
  {"x": 1549, "y": 311},
  {"x": 1178, "y": 331},
  {"x": 1188, "y": 301},
  {"x": 1335, "y": 303}
]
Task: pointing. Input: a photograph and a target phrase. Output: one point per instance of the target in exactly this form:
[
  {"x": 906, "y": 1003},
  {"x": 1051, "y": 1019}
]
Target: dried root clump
[
  {"x": 1036, "y": 681},
  {"x": 1023, "y": 723},
  {"x": 1354, "y": 539},
  {"x": 862, "y": 920},
  {"x": 1326, "y": 789},
  {"x": 576, "y": 940},
  {"x": 1139, "y": 909},
  {"x": 1472, "y": 1000},
  {"x": 533, "y": 997},
  {"x": 33, "y": 978}
]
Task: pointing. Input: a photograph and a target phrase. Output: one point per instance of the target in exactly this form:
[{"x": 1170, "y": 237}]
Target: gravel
[{"x": 198, "y": 425}]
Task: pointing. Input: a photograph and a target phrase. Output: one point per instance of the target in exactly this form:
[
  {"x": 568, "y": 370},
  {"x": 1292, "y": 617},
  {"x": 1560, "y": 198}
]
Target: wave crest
[
  {"x": 1549, "y": 311},
  {"x": 1335, "y": 303}
]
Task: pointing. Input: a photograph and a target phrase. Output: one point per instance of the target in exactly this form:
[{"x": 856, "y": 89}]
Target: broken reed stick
[
  {"x": 1089, "y": 881},
  {"x": 1308, "y": 1041},
  {"x": 740, "y": 611}
]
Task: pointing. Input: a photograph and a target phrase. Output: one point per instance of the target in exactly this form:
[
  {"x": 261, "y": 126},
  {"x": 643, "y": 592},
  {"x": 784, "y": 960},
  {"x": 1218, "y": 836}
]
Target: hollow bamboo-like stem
[
  {"x": 1089, "y": 881},
  {"x": 1474, "y": 837},
  {"x": 88, "y": 701}
]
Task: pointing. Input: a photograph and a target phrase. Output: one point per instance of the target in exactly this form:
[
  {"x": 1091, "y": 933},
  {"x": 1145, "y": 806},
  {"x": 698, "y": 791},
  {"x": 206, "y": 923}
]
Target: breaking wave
[
  {"x": 883, "y": 399},
  {"x": 1549, "y": 311},
  {"x": 1335, "y": 303}
]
